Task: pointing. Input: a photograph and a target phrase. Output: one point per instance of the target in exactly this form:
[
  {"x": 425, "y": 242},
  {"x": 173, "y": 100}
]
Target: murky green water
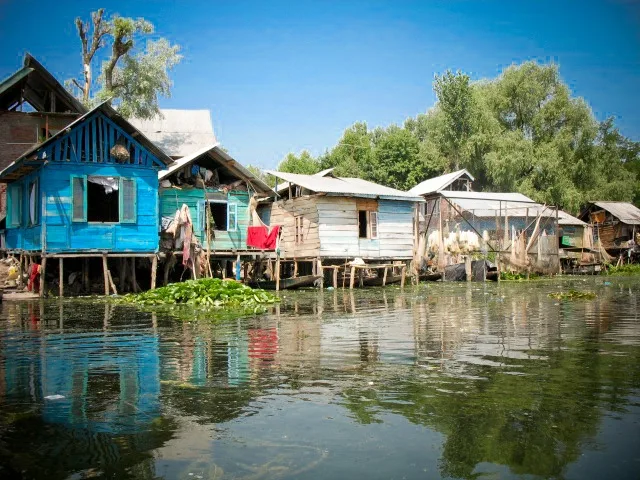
[{"x": 442, "y": 380}]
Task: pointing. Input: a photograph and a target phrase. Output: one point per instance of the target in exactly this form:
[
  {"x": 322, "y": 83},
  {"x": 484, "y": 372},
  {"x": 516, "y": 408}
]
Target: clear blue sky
[{"x": 287, "y": 76}]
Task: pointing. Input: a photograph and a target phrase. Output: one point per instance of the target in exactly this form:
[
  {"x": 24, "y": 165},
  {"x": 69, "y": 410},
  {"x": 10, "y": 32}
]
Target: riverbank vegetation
[
  {"x": 523, "y": 132},
  {"x": 207, "y": 293},
  {"x": 624, "y": 270}
]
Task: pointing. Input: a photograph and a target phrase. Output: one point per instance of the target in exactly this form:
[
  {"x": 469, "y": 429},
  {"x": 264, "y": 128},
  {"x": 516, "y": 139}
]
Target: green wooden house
[{"x": 218, "y": 191}]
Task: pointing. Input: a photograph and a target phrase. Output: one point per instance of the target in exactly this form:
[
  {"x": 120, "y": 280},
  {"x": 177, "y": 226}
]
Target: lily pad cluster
[{"x": 206, "y": 293}]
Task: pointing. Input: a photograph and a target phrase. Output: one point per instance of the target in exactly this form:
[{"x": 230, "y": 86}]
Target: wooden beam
[
  {"x": 353, "y": 277},
  {"x": 384, "y": 276},
  {"x": 335, "y": 278},
  {"x": 277, "y": 272},
  {"x": 402, "y": 275},
  {"x": 105, "y": 274},
  {"x": 43, "y": 269},
  {"x": 154, "y": 268},
  {"x": 321, "y": 273},
  {"x": 61, "y": 277}
]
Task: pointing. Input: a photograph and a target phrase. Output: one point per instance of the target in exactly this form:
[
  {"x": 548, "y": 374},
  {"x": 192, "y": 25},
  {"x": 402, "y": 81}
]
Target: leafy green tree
[
  {"x": 131, "y": 78},
  {"x": 303, "y": 163}
]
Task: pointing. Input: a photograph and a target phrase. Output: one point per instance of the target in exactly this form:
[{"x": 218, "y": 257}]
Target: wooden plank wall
[
  {"x": 171, "y": 199},
  {"x": 395, "y": 229},
  {"x": 284, "y": 213},
  {"x": 338, "y": 227},
  {"x": 64, "y": 235}
]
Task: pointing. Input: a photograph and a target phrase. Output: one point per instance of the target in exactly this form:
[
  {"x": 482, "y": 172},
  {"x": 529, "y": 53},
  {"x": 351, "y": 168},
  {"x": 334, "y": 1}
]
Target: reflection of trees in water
[{"x": 518, "y": 381}]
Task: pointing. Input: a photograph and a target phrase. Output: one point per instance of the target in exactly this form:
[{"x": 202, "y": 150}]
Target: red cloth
[
  {"x": 34, "y": 282},
  {"x": 262, "y": 238}
]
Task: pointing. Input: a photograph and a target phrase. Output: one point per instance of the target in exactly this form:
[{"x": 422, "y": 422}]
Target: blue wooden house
[{"x": 91, "y": 190}]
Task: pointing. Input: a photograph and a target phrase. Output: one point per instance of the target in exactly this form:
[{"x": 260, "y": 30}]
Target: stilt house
[
  {"x": 334, "y": 219},
  {"x": 616, "y": 226},
  {"x": 90, "y": 190},
  {"x": 458, "y": 223}
]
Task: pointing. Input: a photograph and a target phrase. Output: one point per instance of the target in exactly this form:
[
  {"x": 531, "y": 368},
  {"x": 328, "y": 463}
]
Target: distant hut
[
  {"x": 616, "y": 228},
  {"x": 33, "y": 107},
  {"x": 88, "y": 191},
  {"x": 329, "y": 221},
  {"x": 458, "y": 225}
]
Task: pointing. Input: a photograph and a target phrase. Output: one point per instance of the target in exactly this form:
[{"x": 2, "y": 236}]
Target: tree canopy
[
  {"x": 523, "y": 131},
  {"x": 132, "y": 78}
]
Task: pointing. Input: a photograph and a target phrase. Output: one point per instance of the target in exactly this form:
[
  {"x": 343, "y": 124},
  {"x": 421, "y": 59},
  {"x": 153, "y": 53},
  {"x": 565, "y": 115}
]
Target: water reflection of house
[{"x": 103, "y": 382}]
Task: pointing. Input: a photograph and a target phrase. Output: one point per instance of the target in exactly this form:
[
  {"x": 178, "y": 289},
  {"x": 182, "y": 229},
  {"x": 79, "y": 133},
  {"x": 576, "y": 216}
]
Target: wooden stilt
[
  {"x": 43, "y": 270},
  {"x": 295, "y": 269},
  {"x": 335, "y": 277},
  {"x": 245, "y": 271},
  {"x": 61, "y": 277},
  {"x": 238, "y": 268},
  {"x": 467, "y": 267},
  {"x": 134, "y": 282},
  {"x": 21, "y": 271},
  {"x": 353, "y": 277},
  {"x": 223, "y": 264},
  {"x": 195, "y": 273},
  {"x": 123, "y": 264},
  {"x": 361, "y": 277},
  {"x": 105, "y": 274},
  {"x": 111, "y": 283},
  {"x": 85, "y": 274},
  {"x": 384, "y": 276},
  {"x": 277, "y": 272},
  {"x": 402, "y": 275},
  {"x": 154, "y": 268},
  {"x": 321, "y": 273}
]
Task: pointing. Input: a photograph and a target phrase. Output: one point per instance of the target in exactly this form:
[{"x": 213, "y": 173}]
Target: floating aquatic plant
[
  {"x": 209, "y": 293},
  {"x": 573, "y": 295}
]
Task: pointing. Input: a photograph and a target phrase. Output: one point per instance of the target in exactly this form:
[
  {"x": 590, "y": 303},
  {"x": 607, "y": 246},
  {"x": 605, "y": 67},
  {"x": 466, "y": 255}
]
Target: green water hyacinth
[{"x": 207, "y": 293}]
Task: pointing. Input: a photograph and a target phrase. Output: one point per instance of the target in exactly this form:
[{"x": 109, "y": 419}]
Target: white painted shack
[{"x": 336, "y": 219}]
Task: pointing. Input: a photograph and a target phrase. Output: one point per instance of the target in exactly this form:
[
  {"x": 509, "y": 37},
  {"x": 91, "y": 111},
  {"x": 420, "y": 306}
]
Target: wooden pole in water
[
  {"x": 20, "y": 272},
  {"x": 384, "y": 276},
  {"x": 467, "y": 267},
  {"x": 403, "y": 272},
  {"x": 320, "y": 272},
  {"x": 85, "y": 274},
  {"x": 154, "y": 269},
  {"x": 277, "y": 272},
  {"x": 353, "y": 277},
  {"x": 335, "y": 277},
  {"x": 43, "y": 269},
  {"x": 134, "y": 282},
  {"x": 105, "y": 274},
  {"x": 295, "y": 269},
  {"x": 61, "y": 277}
]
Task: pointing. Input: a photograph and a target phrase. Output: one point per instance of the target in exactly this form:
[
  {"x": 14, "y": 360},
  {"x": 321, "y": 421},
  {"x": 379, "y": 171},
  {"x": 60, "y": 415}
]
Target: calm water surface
[{"x": 436, "y": 381}]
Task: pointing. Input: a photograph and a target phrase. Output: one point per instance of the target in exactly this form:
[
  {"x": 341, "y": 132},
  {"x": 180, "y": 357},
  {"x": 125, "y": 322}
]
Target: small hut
[
  {"x": 616, "y": 228},
  {"x": 329, "y": 221}
]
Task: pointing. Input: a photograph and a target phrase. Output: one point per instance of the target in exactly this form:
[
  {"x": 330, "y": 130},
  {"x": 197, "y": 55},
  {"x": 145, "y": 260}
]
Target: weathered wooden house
[
  {"x": 457, "y": 224},
  {"x": 33, "y": 107},
  {"x": 217, "y": 191},
  {"x": 90, "y": 190},
  {"x": 616, "y": 225},
  {"x": 335, "y": 220}
]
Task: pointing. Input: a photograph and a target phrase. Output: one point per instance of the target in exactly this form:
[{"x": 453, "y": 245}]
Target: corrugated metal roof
[
  {"x": 436, "y": 184},
  {"x": 221, "y": 156},
  {"x": 354, "y": 187},
  {"x": 178, "y": 132},
  {"x": 625, "y": 211},
  {"x": 490, "y": 204}
]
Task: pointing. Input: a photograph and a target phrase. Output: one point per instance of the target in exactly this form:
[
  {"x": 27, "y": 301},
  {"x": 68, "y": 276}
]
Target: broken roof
[
  {"x": 436, "y": 184},
  {"x": 490, "y": 204},
  {"x": 33, "y": 83},
  {"x": 626, "y": 212},
  {"x": 339, "y": 186},
  {"x": 222, "y": 158},
  {"x": 178, "y": 132}
]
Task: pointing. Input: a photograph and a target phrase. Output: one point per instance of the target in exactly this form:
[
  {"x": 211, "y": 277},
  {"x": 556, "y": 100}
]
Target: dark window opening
[
  {"x": 218, "y": 216},
  {"x": 362, "y": 223},
  {"x": 103, "y": 201}
]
